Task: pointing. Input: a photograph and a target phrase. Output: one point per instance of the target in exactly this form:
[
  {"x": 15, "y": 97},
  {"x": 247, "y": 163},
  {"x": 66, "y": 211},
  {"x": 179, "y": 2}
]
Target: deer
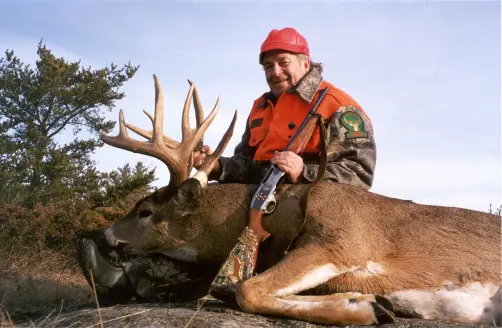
[{"x": 338, "y": 254}]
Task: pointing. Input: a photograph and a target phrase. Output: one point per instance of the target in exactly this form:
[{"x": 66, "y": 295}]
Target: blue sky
[{"x": 426, "y": 72}]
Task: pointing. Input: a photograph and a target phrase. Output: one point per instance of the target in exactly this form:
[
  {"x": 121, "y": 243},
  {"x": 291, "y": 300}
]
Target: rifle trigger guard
[{"x": 269, "y": 205}]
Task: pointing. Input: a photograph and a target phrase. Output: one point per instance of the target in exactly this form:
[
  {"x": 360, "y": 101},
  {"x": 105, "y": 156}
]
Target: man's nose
[{"x": 276, "y": 69}]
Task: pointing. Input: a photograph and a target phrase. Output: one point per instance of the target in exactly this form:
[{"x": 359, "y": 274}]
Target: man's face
[{"x": 283, "y": 70}]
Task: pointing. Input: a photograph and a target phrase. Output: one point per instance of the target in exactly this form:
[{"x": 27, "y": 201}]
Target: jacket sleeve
[
  {"x": 351, "y": 149},
  {"x": 240, "y": 168}
]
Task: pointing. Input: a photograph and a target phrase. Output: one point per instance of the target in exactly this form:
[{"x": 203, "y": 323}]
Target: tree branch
[{"x": 65, "y": 122}]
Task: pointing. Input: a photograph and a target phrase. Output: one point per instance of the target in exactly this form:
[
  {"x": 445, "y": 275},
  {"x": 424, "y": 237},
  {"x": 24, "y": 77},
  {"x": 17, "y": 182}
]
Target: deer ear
[{"x": 187, "y": 199}]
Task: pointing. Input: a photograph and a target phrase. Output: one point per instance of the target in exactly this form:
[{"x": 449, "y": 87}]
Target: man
[{"x": 294, "y": 82}]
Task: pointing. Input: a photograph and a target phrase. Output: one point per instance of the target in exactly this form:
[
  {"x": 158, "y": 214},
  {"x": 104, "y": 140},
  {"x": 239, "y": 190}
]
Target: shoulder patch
[{"x": 354, "y": 125}]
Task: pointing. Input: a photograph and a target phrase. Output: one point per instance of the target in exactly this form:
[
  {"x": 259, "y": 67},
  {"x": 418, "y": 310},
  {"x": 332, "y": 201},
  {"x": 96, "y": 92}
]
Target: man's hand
[
  {"x": 200, "y": 156},
  {"x": 289, "y": 163}
]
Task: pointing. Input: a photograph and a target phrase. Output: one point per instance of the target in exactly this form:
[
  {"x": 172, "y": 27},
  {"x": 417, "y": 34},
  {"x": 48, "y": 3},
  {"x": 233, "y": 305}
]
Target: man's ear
[
  {"x": 306, "y": 64},
  {"x": 187, "y": 199}
]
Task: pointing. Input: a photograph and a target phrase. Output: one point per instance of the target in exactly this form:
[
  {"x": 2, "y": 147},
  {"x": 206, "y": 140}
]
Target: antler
[
  {"x": 177, "y": 156},
  {"x": 211, "y": 159},
  {"x": 170, "y": 143}
]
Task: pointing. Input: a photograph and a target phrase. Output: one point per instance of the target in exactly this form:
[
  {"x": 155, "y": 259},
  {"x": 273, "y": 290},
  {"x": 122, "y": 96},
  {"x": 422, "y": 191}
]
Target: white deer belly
[{"x": 475, "y": 302}]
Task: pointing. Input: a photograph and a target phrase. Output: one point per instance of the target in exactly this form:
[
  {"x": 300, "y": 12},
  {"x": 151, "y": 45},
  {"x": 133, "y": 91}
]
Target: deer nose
[{"x": 110, "y": 237}]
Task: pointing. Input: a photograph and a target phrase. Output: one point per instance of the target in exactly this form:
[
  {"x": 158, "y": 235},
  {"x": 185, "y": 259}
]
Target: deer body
[
  {"x": 352, "y": 254},
  {"x": 429, "y": 262}
]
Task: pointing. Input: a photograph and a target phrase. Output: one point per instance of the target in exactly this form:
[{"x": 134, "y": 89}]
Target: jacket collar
[
  {"x": 308, "y": 85},
  {"x": 305, "y": 88}
]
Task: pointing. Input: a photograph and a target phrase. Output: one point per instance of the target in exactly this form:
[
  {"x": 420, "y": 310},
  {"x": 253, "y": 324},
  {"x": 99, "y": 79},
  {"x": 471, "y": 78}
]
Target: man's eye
[{"x": 284, "y": 63}]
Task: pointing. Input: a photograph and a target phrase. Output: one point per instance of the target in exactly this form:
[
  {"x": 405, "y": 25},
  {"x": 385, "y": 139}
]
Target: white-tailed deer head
[{"x": 145, "y": 221}]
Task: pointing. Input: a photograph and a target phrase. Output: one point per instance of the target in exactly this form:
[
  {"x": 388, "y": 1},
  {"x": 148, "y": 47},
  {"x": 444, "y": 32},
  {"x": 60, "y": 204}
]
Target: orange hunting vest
[{"x": 272, "y": 126}]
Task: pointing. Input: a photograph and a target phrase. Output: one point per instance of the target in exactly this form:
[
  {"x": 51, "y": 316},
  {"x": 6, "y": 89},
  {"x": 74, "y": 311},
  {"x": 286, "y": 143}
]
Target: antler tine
[
  {"x": 174, "y": 159},
  {"x": 199, "y": 115},
  {"x": 186, "y": 131},
  {"x": 192, "y": 138},
  {"x": 170, "y": 143},
  {"x": 198, "y": 134},
  {"x": 199, "y": 110},
  {"x": 119, "y": 141},
  {"x": 207, "y": 167},
  {"x": 122, "y": 129},
  {"x": 150, "y": 116},
  {"x": 158, "y": 119}
]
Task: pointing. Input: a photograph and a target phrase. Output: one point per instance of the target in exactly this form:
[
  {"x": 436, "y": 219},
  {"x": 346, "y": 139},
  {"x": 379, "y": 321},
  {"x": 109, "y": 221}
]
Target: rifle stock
[
  {"x": 255, "y": 220},
  {"x": 298, "y": 144},
  {"x": 241, "y": 262}
]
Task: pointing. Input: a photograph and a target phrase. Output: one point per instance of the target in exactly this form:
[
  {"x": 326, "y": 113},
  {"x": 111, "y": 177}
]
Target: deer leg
[
  {"x": 331, "y": 297},
  {"x": 270, "y": 293}
]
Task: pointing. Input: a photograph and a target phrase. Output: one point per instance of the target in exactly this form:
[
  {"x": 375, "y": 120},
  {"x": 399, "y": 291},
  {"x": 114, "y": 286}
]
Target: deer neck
[{"x": 223, "y": 217}]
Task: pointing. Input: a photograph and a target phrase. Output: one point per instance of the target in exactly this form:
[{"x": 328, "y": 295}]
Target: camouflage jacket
[{"x": 351, "y": 156}]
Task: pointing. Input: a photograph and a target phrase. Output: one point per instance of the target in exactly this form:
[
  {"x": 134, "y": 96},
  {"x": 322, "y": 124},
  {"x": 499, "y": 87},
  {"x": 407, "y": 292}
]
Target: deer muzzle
[{"x": 110, "y": 237}]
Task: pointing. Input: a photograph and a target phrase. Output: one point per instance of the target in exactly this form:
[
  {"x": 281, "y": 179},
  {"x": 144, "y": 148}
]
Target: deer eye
[{"x": 144, "y": 213}]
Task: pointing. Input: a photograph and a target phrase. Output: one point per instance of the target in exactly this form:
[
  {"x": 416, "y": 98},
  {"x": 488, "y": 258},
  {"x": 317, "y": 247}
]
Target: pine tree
[{"x": 36, "y": 105}]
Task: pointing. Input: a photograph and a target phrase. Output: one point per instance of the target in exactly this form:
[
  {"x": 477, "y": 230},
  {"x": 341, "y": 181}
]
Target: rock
[{"x": 207, "y": 314}]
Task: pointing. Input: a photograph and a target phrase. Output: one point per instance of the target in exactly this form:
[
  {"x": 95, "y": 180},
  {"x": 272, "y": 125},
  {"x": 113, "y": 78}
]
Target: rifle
[{"x": 241, "y": 262}]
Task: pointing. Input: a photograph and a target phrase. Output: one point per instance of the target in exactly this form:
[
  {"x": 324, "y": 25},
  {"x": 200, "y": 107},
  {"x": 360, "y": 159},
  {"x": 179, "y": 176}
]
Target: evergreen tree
[{"x": 38, "y": 103}]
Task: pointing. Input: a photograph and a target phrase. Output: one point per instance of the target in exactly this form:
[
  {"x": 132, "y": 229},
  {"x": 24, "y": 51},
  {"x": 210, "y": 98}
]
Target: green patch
[{"x": 354, "y": 125}]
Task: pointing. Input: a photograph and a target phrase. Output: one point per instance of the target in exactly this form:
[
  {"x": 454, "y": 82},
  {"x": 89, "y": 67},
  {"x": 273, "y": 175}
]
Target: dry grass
[
  {"x": 38, "y": 286},
  {"x": 40, "y": 279},
  {"x": 38, "y": 290},
  {"x": 5, "y": 319},
  {"x": 39, "y": 275}
]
